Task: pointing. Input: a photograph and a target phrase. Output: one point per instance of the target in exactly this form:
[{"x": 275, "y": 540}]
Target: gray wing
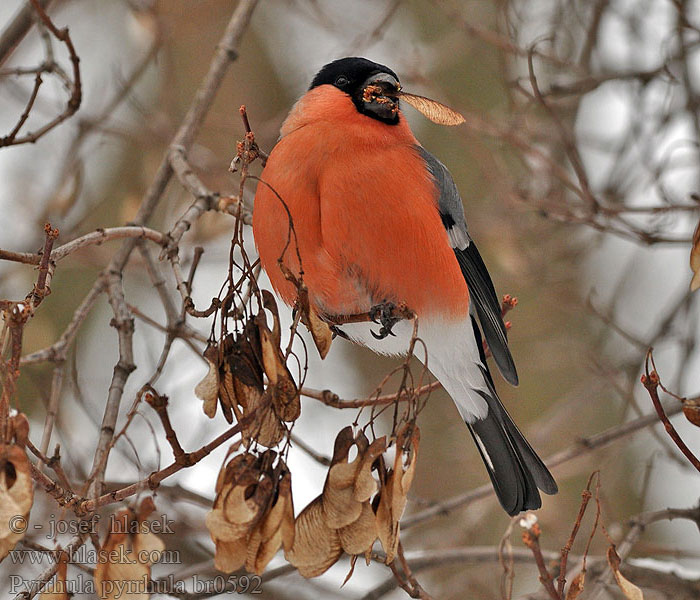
[{"x": 486, "y": 303}]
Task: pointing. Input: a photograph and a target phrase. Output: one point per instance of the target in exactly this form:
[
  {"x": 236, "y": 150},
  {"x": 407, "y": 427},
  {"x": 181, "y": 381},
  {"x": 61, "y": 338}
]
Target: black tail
[{"x": 514, "y": 467}]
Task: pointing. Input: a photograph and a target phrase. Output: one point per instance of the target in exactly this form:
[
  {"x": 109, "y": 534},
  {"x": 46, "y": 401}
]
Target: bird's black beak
[{"x": 380, "y": 96}]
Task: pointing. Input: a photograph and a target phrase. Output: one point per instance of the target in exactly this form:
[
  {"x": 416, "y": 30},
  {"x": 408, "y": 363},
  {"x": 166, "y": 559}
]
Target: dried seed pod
[
  {"x": 207, "y": 390},
  {"x": 630, "y": 591},
  {"x": 316, "y": 546},
  {"x": 691, "y": 410},
  {"x": 319, "y": 329},
  {"x": 16, "y": 496},
  {"x": 339, "y": 506},
  {"x": 242, "y": 392},
  {"x": 285, "y": 396},
  {"x": 436, "y": 111},
  {"x": 365, "y": 485},
  {"x": 19, "y": 425},
  {"x": 240, "y": 501},
  {"x": 341, "y": 518},
  {"x": 237, "y": 367},
  {"x": 391, "y": 503}
]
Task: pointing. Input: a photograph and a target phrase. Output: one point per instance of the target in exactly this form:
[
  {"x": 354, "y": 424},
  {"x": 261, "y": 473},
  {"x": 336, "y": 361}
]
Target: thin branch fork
[
  {"x": 414, "y": 589},
  {"x": 83, "y": 506},
  {"x": 248, "y": 150},
  {"x": 650, "y": 380},
  {"x": 586, "y": 496},
  {"x": 531, "y": 538},
  {"x": 159, "y": 403},
  {"x": 153, "y": 480},
  {"x": 16, "y": 316},
  {"x": 9, "y": 139},
  {"x": 58, "y": 350},
  {"x": 41, "y": 290}
]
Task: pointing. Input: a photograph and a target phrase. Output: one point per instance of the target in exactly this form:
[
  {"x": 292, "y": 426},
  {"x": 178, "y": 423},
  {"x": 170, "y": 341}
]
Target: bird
[{"x": 350, "y": 202}]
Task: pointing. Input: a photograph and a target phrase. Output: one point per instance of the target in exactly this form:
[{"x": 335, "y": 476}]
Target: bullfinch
[{"x": 351, "y": 201}]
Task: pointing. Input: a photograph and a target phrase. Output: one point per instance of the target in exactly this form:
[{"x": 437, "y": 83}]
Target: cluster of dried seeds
[
  {"x": 235, "y": 381},
  {"x": 253, "y": 513}
]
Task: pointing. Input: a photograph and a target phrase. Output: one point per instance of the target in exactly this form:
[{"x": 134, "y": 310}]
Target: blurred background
[{"x": 579, "y": 169}]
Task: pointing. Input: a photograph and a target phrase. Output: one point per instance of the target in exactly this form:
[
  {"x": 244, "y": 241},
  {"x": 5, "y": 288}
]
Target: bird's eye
[{"x": 341, "y": 81}]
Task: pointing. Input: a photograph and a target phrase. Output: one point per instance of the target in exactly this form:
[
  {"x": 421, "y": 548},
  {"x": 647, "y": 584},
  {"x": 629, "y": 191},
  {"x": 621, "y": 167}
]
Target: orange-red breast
[{"x": 378, "y": 220}]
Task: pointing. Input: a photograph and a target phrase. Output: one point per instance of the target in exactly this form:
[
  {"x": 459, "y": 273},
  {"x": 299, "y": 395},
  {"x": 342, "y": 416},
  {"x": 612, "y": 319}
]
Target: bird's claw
[
  {"x": 338, "y": 332},
  {"x": 384, "y": 314}
]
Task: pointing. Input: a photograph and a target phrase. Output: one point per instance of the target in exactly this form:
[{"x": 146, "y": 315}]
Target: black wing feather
[
  {"x": 486, "y": 304},
  {"x": 488, "y": 309}
]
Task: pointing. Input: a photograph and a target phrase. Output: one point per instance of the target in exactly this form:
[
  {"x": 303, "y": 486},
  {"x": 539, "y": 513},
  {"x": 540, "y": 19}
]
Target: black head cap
[{"x": 350, "y": 76}]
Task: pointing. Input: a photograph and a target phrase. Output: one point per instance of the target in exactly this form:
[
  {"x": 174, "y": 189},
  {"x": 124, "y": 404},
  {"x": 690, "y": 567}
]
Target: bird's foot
[{"x": 388, "y": 314}]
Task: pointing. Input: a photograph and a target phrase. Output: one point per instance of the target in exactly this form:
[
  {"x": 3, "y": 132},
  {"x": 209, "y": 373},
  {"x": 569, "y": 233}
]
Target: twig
[
  {"x": 505, "y": 559},
  {"x": 531, "y": 538},
  {"x": 247, "y": 151},
  {"x": 123, "y": 322},
  {"x": 153, "y": 480},
  {"x": 585, "y": 498},
  {"x": 329, "y": 398},
  {"x": 416, "y": 590},
  {"x": 96, "y": 237},
  {"x": 41, "y": 290},
  {"x": 566, "y": 137},
  {"x": 9, "y": 139},
  {"x": 184, "y": 331},
  {"x": 651, "y": 381},
  {"x": 205, "y": 199},
  {"x": 15, "y": 318},
  {"x": 159, "y": 403},
  {"x": 52, "y": 407},
  {"x": 53, "y": 463}
]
